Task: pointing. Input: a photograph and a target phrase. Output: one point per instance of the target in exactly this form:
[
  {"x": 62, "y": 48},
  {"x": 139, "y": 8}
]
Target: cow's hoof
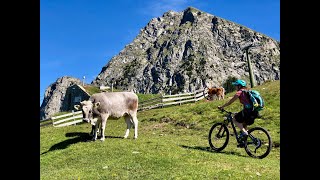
[
  {"x": 125, "y": 137},
  {"x": 101, "y": 139}
]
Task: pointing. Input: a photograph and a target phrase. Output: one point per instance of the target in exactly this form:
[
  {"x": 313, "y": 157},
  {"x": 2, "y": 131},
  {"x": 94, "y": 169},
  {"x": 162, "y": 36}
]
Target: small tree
[{"x": 228, "y": 84}]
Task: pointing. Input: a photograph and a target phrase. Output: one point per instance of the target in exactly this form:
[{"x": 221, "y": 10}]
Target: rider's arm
[{"x": 235, "y": 97}]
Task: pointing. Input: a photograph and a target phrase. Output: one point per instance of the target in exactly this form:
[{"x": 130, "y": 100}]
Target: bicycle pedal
[{"x": 240, "y": 145}]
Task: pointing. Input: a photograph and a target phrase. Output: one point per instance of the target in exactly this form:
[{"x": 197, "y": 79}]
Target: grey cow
[{"x": 101, "y": 106}]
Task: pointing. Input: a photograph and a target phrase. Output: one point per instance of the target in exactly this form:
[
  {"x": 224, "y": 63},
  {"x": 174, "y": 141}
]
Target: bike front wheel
[
  {"x": 218, "y": 136},
  {"x": 259, "y": 143}
]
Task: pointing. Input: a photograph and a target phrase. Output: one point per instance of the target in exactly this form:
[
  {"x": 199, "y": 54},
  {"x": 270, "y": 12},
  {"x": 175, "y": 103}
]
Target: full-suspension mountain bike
[{"x": 258, "y": 144}]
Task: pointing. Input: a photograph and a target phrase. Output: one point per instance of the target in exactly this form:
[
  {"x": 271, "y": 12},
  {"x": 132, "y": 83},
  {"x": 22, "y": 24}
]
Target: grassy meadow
[{"x": 172, "y": 144}]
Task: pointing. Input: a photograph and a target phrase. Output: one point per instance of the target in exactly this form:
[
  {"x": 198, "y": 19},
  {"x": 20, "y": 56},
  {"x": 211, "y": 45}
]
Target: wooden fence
[
  {"x": 63, "y": 120},
  {"x": 159, "y": 102},
  {"x": 167, "y": 100}
]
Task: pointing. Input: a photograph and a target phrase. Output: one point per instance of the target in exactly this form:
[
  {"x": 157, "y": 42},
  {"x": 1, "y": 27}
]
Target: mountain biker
[{"x": 246, "y": 116}]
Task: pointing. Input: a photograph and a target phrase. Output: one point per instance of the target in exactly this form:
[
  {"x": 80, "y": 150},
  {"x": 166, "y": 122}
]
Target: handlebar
[{"x": 223, "y": 110}]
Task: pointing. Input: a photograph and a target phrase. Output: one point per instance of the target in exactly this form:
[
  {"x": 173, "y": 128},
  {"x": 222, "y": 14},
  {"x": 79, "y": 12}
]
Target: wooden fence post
[
  {"x": 161, "y": 96},
  {"x": 204, "y": 94},
  {"x": 73, "y": 117}
]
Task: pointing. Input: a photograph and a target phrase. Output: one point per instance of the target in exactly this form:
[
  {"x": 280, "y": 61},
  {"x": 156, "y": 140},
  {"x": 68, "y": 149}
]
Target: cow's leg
[
  {"x": 104, "y": 118},
  {"x": 93, "y": 126},
  {"x": 98, "y": 125},
  {"x": 92, "y": 130},
  {"x": 129, "y": 123},
  {"x": 135, "y": 124},
  {"x": 99, "y": 128},
  {"x": 95, "y": 134}
]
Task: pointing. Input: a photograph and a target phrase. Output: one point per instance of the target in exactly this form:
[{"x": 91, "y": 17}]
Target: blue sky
[{"x": 79, "y": 37}]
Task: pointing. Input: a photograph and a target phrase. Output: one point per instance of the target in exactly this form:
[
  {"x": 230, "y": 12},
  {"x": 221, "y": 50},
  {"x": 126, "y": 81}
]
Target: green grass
[
  {"x": 92, "y": 89},
  {"x": 143, "y": 97},
  {"x": 172, "y": 144}
]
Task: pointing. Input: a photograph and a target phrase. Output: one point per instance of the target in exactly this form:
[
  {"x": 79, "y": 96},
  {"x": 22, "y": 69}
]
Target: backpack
[{"x": 256, "y": 101}]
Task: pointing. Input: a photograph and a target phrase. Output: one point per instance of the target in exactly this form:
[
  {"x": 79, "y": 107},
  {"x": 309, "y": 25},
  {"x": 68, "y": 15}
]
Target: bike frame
[{"x": 229, "y": 120}]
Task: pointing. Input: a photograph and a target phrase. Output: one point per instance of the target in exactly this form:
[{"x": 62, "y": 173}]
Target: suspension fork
[
  {"x": 226, "y": 122},
  {"x": 220, "y": 132}
]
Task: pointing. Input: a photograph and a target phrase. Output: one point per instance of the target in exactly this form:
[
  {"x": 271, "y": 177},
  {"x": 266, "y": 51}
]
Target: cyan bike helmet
[{"x": 240, "y": 82}]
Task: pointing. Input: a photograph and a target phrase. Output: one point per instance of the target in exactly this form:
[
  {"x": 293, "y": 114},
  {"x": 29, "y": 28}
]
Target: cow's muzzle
[{"x": 86, "y": 120}]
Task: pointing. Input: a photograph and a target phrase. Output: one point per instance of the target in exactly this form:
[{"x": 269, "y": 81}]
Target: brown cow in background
[{"x": 219, "y": 92}]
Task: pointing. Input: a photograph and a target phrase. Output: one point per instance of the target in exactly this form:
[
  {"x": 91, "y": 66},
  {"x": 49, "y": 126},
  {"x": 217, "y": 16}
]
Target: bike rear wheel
[
  {"x": 258, "y": 143},
  {"x": 218, "y": 136}
]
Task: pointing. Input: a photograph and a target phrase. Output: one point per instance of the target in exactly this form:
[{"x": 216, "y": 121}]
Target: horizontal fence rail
[
  {"x": 63, "y": 120},
  {"x": 176, "y": 99},
  {"x": 67, "y": 119}
]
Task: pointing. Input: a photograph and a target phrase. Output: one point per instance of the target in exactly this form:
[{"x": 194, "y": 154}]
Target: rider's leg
[
  {"x": 245, "y": 126},
  {"x": 240, "y": 126},
  {"x": 238, "y": 120}
]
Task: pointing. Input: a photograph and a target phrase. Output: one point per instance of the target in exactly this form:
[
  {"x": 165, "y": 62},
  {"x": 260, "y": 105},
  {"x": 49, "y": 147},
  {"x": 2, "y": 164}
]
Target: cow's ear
[
  {"x": 97, "y": 104},
  {"x": 77, "y": 107}
]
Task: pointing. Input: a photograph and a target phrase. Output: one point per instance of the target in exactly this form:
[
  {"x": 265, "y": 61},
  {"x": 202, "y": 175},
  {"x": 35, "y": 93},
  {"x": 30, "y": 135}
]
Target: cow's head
[
  {"x": 211, "y": 92},
  {"x": 86, "y": 108},
  {"x": 89, "y": 111}
]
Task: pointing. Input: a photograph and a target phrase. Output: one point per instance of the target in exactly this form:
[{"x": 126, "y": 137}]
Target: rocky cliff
[
  {"x": 55, "y": 95},
  {"x": 185, "y": 51}
]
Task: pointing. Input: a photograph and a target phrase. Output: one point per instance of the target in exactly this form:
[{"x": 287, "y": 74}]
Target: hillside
[{"x": 172, "y": 144}]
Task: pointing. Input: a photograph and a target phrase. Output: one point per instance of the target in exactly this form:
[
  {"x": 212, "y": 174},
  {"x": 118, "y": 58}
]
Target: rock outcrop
[{"x": 54, "y": 97}]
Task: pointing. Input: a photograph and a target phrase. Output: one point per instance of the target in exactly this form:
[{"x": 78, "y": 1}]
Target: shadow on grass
[
  {"x": 79, "y": 137},
  {"x": 208, "y": 149}
]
